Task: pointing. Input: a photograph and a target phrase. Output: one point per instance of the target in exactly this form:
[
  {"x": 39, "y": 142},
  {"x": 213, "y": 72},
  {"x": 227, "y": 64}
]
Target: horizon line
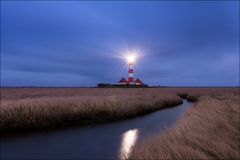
[{"x": 154, "y": 86}]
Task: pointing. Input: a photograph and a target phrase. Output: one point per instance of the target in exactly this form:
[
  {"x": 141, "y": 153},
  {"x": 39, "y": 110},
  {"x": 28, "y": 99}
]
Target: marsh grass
[
  {"x": 21, "y": 93},
  {"x": 208, "y": 130},
  {"x": 50, "y": 112}
]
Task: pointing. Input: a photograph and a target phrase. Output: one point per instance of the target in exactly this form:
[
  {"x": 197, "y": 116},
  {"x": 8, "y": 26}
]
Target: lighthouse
[
  {"x": 130, "y": 60},
  {"x": 130, "y": 74}
]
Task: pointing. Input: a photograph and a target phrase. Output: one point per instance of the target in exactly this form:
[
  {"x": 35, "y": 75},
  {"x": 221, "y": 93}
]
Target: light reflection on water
[
  {"x": 128, "y": 140},
  {"x": 114, "y": 140}
]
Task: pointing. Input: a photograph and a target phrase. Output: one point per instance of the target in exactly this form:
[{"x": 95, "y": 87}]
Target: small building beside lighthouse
[
  {"x": 122, "y": 81},
  {"x": 138, "y": 82}
]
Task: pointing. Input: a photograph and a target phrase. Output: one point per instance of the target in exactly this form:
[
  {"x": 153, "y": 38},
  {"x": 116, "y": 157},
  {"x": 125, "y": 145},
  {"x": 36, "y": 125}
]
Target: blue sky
[{"x": 79, "y": 43}]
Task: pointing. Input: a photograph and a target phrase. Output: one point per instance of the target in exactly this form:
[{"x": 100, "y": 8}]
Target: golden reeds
[
  {"x": 208, "y": 130},
  {"x": 46, "y": 112}
]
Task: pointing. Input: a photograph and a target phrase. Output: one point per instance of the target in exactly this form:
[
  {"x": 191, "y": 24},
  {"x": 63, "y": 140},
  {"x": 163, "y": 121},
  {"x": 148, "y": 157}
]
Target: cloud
[{"x": 182, "y": 43}]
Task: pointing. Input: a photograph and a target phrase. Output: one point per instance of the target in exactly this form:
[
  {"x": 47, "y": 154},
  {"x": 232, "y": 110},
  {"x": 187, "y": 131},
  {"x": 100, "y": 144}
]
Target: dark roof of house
[
  {"x": 138, "y": 81},
  {"x": 123, "y": 80}
]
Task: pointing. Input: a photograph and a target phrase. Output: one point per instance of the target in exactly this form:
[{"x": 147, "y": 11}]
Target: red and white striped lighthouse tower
[
  {"x": 130, "y": 74},
  {"x": 131, "y": 61}
]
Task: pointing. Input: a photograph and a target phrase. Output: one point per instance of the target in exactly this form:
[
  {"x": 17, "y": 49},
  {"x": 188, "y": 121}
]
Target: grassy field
[
  {"x": 37, "y": 108},
  {"x": 21, "y": 93},
  {"x": 208, "y": 130},
  {"x": 49, "y": 108}
]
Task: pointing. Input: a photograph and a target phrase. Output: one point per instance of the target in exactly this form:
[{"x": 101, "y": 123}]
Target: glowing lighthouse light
[{"x": 130, "y": 59}]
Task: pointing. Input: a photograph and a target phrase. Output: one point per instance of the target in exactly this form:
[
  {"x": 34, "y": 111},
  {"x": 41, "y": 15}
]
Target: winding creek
[{"x": 110, "y": 140}]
